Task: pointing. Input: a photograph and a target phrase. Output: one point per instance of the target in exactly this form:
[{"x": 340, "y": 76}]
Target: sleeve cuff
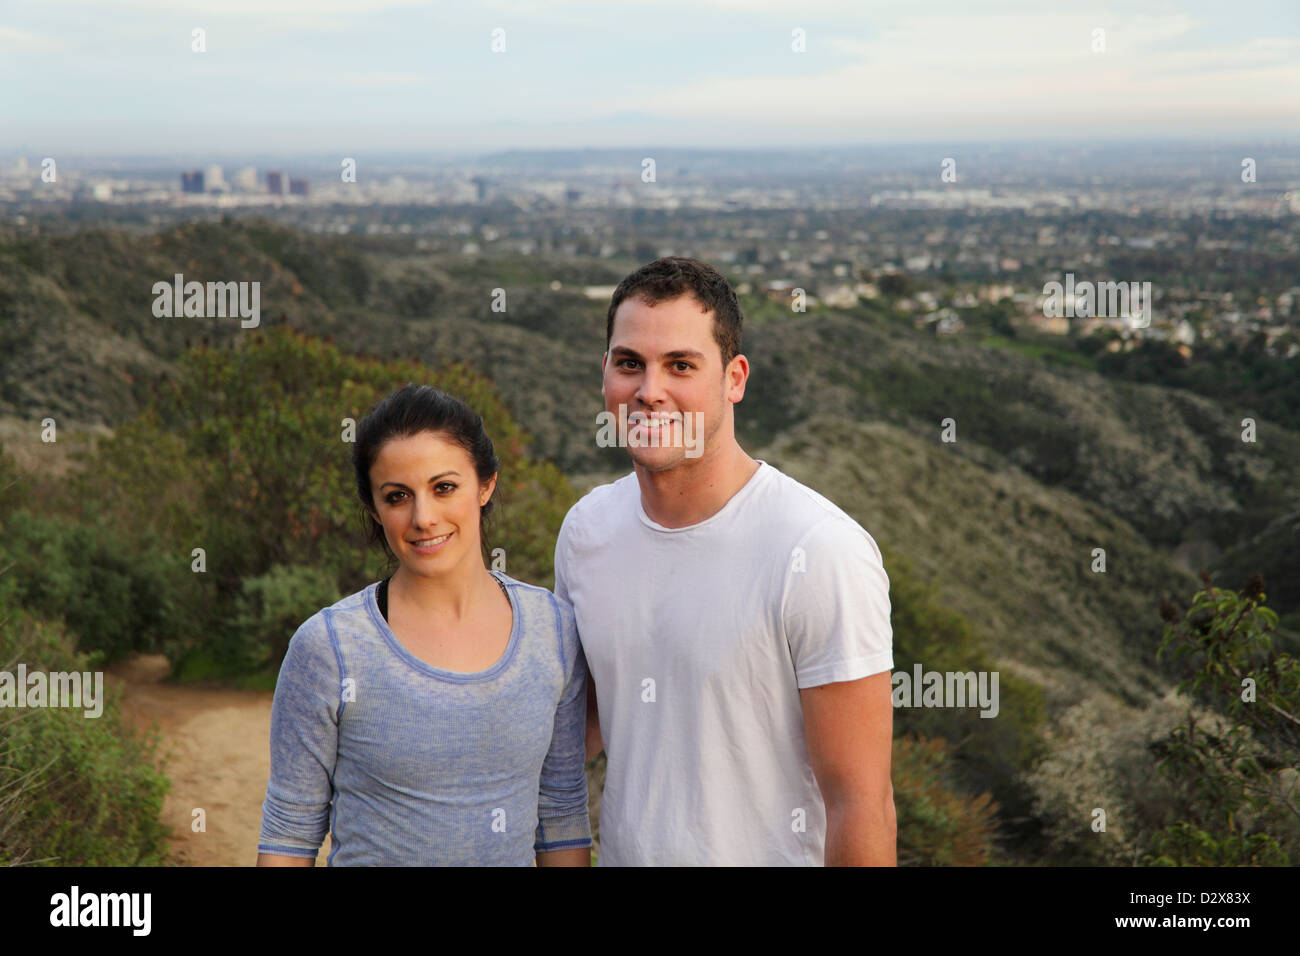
[
  {"x": 288, "y": 851},
  {"x": 853, "y": 669},
  {"x": 563, "y": 833}
]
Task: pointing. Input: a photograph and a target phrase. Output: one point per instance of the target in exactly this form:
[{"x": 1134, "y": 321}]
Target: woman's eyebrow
[{"x": 434, "y": 478}]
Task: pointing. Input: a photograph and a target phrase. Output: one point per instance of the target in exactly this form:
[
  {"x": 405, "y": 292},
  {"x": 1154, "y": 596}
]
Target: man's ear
[{"x": 737, "y": 375}]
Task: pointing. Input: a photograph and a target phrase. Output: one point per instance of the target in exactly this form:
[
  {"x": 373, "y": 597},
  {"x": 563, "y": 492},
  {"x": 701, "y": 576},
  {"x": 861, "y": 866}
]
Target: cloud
[
  {"x": 998, "y": 68},
  {"x": 13, "y": 40}
]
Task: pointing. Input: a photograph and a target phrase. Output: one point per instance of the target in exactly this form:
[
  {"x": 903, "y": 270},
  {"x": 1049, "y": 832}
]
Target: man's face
[{"x": 663, "y": 364}]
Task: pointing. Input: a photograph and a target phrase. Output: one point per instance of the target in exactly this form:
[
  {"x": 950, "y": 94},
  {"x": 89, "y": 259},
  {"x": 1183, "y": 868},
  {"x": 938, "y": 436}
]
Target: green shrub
[
  {"x": 114, "y": 596},
  {"x": 270, "y": 608},
  {"x": 1238, "y": 770},
  {"x": 937, "y": 824},
  {"x": 987, "y": 753},
  {"x": 244, "y": 454},
  {"x": 74, "y": 790}
]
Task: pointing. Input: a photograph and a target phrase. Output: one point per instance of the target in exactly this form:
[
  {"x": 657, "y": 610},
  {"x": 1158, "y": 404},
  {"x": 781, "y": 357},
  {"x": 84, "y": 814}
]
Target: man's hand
[{"x": 850, "y": 728}]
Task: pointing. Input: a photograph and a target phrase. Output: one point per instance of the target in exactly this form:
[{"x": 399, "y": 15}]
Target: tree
[
  {"x": 246, "y": 455},
  {"x": 1239, "y": 767}
]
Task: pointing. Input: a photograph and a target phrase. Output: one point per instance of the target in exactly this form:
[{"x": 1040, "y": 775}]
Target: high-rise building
[
  {"x": 246, "y": 179},
  {"x": 192, "y": 182},
  {"x": 214, "y": 180},
  {"x": 275, "y": 182},
  {"x": 297, "y": 187}
]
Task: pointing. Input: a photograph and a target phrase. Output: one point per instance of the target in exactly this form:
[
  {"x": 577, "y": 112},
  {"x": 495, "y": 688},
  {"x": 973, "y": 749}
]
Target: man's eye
[
  {"x": 624, "y": 363},
  {"x": 687, "y": 366}
]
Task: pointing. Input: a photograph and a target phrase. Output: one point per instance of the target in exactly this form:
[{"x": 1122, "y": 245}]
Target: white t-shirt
[{"x": 699, "y": 639}]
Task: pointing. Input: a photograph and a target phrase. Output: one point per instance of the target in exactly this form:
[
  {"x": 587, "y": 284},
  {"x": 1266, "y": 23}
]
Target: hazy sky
[{"x": 119, "y": 76}]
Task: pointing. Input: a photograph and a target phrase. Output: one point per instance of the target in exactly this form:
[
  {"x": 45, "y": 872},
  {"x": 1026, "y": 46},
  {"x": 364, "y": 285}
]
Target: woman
[{"x": 436, "y": 717}]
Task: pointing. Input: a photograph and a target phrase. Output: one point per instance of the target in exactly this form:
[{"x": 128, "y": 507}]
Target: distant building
[
  {"x": 246, "y": 179},
  {"x": 192, "y": 182},
  {"x": 275, "y": 182},
  {"x": 840, "y": 297},
  {"x": 298, "y": 187},
  {"x": 214, "y": 180}
]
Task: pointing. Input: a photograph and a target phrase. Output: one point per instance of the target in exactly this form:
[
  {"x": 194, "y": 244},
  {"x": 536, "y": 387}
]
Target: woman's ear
[{"x": 486, "y": 489}]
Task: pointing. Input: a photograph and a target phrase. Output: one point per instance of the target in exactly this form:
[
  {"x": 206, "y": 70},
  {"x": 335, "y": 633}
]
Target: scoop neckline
[
  {"x": 457, "y": 677},
  {"x": 733, "y": 501}
]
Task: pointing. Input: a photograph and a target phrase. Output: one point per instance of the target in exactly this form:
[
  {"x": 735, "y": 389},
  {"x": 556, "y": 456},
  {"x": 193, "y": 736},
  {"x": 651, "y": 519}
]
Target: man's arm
[{"x": 849, "y": 727}]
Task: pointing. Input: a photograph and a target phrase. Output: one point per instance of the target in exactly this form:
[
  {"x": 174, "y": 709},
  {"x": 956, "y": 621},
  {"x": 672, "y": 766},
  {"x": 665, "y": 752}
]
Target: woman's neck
[{"x": 447, "y": 597}]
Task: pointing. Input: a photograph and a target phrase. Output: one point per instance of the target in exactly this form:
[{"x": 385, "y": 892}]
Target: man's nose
[{"x": 651, "y": 389}]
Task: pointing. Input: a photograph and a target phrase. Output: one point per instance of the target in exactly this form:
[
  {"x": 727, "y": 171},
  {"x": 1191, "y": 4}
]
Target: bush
[
  {"x": 270, "y": 609},
  {"x": 74, "y": 791},
  {"x": 114, "y": 596},
  {"x": 937, "y": 825},
  {"x": 1238, "y": 771},
  {"x": 987, "y": 754},
  {"x": 245, "y": 454}
]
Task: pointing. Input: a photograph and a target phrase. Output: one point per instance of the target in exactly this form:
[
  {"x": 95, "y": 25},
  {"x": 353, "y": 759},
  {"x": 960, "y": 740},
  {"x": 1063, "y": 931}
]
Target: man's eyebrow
[
  {"x": 622, "y": 350},
  {"x": 434, "y": 478}
]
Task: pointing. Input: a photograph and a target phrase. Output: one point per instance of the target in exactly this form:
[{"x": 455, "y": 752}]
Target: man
[{"x": 735, "y": 622}]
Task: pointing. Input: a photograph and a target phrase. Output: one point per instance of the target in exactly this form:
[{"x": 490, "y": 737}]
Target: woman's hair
[{"x": 409, "y": 411}]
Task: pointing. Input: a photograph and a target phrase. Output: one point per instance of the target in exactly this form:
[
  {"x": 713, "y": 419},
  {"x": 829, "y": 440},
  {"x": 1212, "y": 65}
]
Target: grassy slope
[{"x": 1012, "y": 555}]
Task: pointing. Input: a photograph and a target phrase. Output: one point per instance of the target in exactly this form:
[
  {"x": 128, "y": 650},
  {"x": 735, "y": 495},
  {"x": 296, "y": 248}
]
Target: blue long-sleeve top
[{"x": 406, "y": 764}]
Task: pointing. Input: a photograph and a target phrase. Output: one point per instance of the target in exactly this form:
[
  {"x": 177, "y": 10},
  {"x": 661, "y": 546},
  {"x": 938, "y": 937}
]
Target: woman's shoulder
[
  {"x": 532, "y": 593},
  {"x": 346, "y": 614},
  {"x": 541, "y": 606}
]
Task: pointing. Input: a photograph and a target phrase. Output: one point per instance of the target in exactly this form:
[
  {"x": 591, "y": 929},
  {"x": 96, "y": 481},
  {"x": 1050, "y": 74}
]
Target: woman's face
[{"x": 427, "y": 496}]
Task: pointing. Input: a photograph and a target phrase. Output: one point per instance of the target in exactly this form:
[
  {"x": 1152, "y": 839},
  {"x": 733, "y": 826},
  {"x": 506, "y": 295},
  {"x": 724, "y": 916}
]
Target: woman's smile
[{"x": 430, "y": 545}]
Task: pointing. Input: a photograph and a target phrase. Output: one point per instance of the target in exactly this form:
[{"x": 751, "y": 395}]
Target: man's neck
[{"x": 695, "y": 490}]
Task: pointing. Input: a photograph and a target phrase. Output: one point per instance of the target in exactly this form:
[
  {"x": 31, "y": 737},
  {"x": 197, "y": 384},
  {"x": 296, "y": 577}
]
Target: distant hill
[{"x": 1158, "y": 472}]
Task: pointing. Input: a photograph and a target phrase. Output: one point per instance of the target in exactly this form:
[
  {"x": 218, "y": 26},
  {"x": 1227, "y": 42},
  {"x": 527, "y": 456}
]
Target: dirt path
[{"x": 216, "y": 748}]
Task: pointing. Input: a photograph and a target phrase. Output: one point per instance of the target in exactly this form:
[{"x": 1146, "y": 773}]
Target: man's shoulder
[
  {"x": 805, "y": 514},
  {"x": 594, "y": 510}
]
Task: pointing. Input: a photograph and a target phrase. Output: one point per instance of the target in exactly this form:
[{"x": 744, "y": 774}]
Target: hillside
[{"x": 78, "y": 341}]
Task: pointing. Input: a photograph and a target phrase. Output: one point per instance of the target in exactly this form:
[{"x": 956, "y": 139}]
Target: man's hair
[{"x": 674, "y": 276}]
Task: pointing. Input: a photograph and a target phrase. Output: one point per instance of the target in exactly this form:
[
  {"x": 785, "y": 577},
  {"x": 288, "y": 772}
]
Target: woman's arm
[
  {"x": 578, "y": 856},
  {"x": 563, "y": 825},
  {"x": 304, "y": 749}
]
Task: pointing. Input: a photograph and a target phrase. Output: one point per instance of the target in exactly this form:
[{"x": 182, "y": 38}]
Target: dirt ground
[{"x": 216, "y": 746}]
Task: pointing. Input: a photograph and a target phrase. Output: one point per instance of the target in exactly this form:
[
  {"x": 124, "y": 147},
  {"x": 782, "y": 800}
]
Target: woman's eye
[
  {"x": 447, "y": 485},
  {"x": 393, "y": 497}
]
